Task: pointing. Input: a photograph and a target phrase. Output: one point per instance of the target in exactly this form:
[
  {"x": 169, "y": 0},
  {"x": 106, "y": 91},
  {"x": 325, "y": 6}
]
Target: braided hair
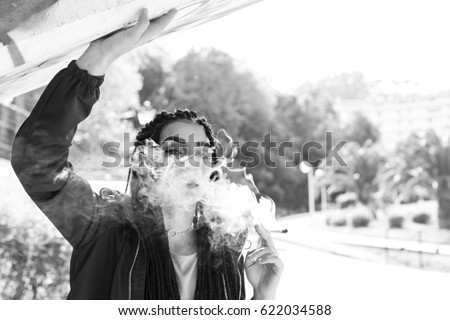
[
  {"x": 153, "y": 129},
  {"x": 220, "y": 273}
]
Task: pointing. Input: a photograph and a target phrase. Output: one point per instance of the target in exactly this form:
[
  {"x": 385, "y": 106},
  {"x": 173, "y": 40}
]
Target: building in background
[{"x": 396, "y": 120}]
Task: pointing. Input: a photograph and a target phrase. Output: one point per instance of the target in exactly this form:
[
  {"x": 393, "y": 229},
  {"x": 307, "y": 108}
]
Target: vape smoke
[{"x": 181, "y": 186}]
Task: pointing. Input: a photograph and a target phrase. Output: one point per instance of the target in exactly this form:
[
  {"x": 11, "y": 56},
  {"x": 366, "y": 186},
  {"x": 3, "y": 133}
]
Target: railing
[{"x": 415, "y": 251}]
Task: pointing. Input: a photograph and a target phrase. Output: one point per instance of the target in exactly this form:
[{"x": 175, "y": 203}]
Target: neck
[
  {"x": 184, "y": 245},
  {"x": 180, "y": 220}
]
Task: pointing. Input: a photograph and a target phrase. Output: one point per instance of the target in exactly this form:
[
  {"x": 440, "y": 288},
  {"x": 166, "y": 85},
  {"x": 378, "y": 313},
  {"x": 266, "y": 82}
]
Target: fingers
[
  {"x": 263, "y": 256},
  {"x": 274, "y": 260},
  {"x": 165, "y": 19},
  {"x": 269, "y": 258},
  {"x": 141, "y": 25},
  {"x": 265, "y": 236},
  {"x": 255, "y": 255},
  {"x": 157, "y": 26}
]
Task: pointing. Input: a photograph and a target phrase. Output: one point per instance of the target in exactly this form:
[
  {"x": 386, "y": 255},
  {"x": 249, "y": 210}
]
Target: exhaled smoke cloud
[{"x": 181, "y": 186}]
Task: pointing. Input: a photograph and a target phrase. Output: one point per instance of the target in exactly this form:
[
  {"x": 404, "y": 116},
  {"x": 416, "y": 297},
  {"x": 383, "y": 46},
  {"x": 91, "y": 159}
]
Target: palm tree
[
  {"x": 424, "y": 160},
  {"x": 399, "y": 183},
  {"x": 358, "y": 176}
]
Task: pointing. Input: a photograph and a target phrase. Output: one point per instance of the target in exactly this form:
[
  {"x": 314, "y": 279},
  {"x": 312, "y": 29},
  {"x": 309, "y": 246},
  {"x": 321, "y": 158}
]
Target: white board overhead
[{"x": 39, "y": 37}]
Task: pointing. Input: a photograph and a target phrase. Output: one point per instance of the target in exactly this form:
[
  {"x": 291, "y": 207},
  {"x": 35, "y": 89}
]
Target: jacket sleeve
[{"x": 41, "y": 148}]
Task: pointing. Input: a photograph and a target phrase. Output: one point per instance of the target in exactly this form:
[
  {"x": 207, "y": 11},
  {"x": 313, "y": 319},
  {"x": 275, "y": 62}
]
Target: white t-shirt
[{"x": 186, "y": 272}]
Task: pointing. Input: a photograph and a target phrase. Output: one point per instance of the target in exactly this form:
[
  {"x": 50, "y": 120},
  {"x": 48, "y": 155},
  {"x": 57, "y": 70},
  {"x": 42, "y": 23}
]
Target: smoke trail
[{"x": 178, "y": 186}]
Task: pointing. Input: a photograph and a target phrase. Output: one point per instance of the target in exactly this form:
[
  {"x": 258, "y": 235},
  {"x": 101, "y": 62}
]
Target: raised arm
[{"x": 41, "y": 147}]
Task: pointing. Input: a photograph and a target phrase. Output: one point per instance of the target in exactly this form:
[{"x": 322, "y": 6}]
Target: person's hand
[
  {"x": 233, "y": 172},
  {"x": 263, "y": 267},
  {"x": 102, "y": 52}
]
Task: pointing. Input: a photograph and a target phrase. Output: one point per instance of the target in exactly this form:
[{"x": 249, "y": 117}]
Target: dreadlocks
[{"x": 220, "y": 272}]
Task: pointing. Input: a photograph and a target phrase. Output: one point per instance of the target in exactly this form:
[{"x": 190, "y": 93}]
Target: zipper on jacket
[{"x": 131, "y": 270}]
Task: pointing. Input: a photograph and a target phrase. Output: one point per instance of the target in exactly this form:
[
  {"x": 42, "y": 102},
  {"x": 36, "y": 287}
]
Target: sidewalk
[{"x": 304, "y": 233}]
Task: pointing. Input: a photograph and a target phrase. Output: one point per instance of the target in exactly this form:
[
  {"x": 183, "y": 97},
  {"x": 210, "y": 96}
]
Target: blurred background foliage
[
  {"x": 34, "y": 260},
  {"x": 215, "y": 84}
]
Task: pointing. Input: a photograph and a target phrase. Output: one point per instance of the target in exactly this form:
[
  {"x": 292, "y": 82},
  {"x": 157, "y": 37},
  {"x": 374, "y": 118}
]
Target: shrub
[
  {"x": 337, "y": 219},
  {"x": 361, "y": 217},
  {"x": 396, "y": 221},
  {"x": 347, "y": 200},
  {"x": 34, "y": 257},
  {"x": 423, "y": 218}
]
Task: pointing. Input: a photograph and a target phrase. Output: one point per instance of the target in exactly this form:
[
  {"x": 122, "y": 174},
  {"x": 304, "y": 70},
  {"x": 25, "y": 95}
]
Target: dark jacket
[
  {"x": 107, "y": 259},
  {"x": 116, "y": 254}
]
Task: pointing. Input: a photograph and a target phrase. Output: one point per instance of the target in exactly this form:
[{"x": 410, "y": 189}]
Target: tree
[
  {"x": 211, "y": 82},
  {"x": 299, "y": 119},
  {"x": 361, "y": 130},
  {"x": 34, "y": 257},
  {"x": 156, "y": 91},
  {"x": 34, "y": 261},
  {"x": 359, "y": 176},
  {"x": 305, "y": 117},
  {"x": 424, "y": 160}
]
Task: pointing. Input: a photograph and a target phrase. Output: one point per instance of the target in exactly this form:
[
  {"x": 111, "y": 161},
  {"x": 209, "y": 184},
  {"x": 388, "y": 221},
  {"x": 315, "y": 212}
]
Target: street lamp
[
  {"x": 306, "y": 167},
  {"x": 323, "y": 190}
]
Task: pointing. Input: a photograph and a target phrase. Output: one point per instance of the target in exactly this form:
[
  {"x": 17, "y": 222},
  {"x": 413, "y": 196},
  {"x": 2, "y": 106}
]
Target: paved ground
[{"x": 359, "y": 289}]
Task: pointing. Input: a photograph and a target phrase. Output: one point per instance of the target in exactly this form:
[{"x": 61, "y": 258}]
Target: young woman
[{"x": 123, "y": 248}]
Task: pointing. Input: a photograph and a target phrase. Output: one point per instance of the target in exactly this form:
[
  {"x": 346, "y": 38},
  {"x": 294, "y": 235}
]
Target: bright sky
[{"x": 289, "y": 42}]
